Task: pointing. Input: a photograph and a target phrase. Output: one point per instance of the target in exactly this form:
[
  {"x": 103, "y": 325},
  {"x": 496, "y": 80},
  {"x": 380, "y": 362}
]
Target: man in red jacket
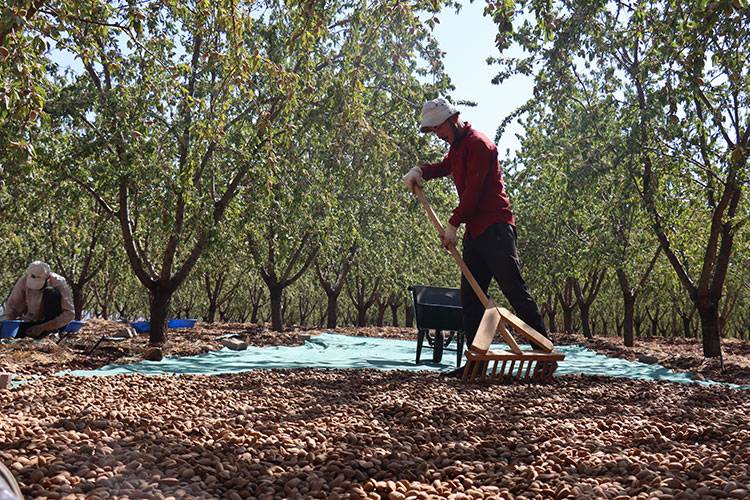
[{"x": 489, "y": 244}]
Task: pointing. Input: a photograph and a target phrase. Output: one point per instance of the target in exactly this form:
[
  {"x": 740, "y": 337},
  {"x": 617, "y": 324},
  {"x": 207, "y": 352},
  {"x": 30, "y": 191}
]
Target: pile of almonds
[{"x": 373, "y": 434}]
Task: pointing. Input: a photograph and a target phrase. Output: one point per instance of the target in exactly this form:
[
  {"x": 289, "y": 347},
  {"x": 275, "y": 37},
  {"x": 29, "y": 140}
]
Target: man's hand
[
  {"x": 449, "y": 236},
  {"x": 35, "y": 331},
  {"x": 413, "y": 177}
]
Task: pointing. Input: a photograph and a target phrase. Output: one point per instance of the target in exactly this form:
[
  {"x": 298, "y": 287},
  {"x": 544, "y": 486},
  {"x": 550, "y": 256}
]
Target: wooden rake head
[{"x": 509, "y": 367}]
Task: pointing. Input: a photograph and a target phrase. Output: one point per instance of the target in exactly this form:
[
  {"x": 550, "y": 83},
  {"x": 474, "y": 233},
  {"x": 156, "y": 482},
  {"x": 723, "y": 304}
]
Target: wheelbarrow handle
[{"x": 451, "y": 247}]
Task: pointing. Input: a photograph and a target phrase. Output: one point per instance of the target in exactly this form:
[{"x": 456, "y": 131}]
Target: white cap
[
  {"x": 435, "y": 112},
  {"x": 36, "y": 275}
]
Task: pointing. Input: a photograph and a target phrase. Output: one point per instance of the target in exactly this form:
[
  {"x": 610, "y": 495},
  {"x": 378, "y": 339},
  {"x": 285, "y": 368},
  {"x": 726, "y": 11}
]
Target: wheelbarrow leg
[
  {"x": 420, "y": 341},
  {"x": 437, "y": 348},
  {"x": 459, "y": 347}
]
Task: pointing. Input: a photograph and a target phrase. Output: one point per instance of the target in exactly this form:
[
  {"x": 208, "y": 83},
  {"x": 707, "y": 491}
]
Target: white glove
[
  {"x": 449, "y": 236},
  {"x": 413, "y": 177}
]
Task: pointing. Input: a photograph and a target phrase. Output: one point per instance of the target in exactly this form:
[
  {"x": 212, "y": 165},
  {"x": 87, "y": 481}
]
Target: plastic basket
[
  {"x": 181, "y": 323},
  {"x": 74, "y": 326},
  {"x": 10, "y": 328},
  {"x": 141, "y": 326}
]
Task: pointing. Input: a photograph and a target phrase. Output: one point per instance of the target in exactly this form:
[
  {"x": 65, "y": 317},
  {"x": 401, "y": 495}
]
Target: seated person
[{"x": 41, "y": 298}]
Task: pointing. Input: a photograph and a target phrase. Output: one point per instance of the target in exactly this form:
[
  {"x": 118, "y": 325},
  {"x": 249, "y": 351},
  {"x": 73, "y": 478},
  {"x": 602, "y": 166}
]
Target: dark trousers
[
  {"x": 493, "y": 254},
  {"x": 51, "y": 308}
]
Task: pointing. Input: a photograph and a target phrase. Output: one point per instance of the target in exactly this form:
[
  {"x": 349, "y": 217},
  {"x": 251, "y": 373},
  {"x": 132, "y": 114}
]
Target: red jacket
[{"x": 476, "y": 171}]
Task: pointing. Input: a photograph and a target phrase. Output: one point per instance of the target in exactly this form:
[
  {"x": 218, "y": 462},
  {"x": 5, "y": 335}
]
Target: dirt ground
[
  {"x": 366, "y": 433},
  {"x": 373, "y": 434}
]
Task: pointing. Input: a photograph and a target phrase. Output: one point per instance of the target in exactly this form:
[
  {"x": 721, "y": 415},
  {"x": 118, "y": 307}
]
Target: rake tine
[
  {"x": 553, "y": 367},
  {"x": 467, "y": 369},
  {"x": 528, "y": 369},
  {"x": 539, "y": 371},
  {"x": 475, "y": 372},
  {"x": 510, "y": 370},
  {"x": 483, "y": 369},
  {"x": 494, "y": 371},
  {"x": 542, "y": 370},
  {"x": 520, "y": 369}
]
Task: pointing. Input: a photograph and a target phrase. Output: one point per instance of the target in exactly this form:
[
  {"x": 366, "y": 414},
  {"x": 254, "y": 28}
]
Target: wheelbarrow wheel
[{"x": 437, "y": 347}]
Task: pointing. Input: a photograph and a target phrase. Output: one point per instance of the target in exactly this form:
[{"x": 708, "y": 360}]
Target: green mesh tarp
[{"x": 341, "y": 351}]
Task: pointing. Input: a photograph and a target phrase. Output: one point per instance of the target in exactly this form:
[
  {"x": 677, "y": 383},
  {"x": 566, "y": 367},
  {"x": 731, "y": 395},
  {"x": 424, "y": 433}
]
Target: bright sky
[{"x": 468, "y": 38}]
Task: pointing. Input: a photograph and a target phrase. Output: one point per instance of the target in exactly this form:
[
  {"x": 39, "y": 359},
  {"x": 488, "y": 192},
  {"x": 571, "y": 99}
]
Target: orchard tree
[
  {"x": 176, "y": 106},
  {"x": 680, "y": 71}
]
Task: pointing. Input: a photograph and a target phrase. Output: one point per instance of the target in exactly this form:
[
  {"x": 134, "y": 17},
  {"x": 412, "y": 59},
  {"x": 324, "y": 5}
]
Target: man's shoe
[{"x": 457, "y": 373}]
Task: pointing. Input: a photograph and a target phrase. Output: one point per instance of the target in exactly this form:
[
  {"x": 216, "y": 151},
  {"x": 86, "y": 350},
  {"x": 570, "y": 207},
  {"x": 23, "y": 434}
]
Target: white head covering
[
  {"x": 435, "y": 112},
  {"x": 37, "y": 274}
]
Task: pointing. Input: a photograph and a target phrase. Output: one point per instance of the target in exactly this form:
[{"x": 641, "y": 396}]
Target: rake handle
[{"x": 419, "y": 193}]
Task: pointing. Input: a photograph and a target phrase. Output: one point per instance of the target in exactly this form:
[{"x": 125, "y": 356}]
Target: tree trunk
[
  {"x": 278, "y": 281},
  {"x": 568, "y": 319},
  {"x": 254, "y": 313},
  {"x": 78, "y": 300},
  {"x": 242, "y": 314},
  {"x": 686, "y": 327},
  {"x": 362, "y": 314},
  {"x": 106, "y": 302},
  {"x": 332, "y": 308},
  {"x": 362, "y": 301},
  {"x": 710, "y": 331},
  {"x": 585, "y": 310},
  {"x": 159, "y": 308},
  {"x": 322, "y": 318},
  {"x": 686, "y": 318},
  {"x": 586, "y": 295},
  {"x": 382, "y": 308},
  {"x": 395, "y": 300},
  {"x": 122, "y": 311},
  {"x": 211, "y": 314},
  {"x": 629, "y": 303},
  {"x": 638, "y": 323},
  {"x": 409, "y": 316},
  {"x": 654, "y": 318},
  {"x": 306, "y": 309},
  {"x": 548, "y": 307},
  {"x": 394, "y": 314},
  {"x": 552, "y": 315},
  {"x": 277, "y": 318},
  {"x": 333, "y": 287},
  {"x": 567, "y": 304}
]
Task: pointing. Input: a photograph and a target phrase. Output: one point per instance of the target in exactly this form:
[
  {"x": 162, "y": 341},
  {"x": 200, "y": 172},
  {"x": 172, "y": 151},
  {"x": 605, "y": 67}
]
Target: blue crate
[
  {"x": 74, "y": 326},
  {"x": 141, "y": 326},
  {"x": 181, "y": 323},
  {"x": 10, "y": 328}
]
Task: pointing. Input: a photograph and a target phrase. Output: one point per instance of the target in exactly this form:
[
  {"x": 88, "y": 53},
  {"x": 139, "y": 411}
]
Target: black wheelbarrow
[{"x": 439, "y": 320}]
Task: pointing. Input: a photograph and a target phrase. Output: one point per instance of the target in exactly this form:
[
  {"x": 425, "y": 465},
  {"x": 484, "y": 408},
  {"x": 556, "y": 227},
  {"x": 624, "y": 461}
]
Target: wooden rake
[{"x": 483, "y": 365}]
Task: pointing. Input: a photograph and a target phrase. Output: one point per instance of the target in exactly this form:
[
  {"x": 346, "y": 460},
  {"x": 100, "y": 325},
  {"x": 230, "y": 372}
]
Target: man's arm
[
  {"x": 434, "y": 170},
  {"x": 16, "y": 304},
  {"x": 480, "y": 162}
]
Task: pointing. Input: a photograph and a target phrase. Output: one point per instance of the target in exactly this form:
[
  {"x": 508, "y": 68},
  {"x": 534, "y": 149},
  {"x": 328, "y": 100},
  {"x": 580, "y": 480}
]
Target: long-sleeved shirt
[
  {"x": 473, "y": 163},
  {"x": 26, "y": 304}
]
